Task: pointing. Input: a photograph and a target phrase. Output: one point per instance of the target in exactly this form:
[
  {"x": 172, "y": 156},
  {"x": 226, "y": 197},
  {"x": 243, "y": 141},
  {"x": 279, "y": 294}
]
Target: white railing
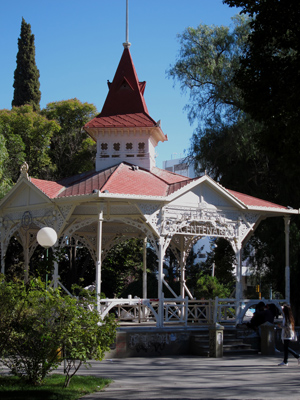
[
  {"x": 146, "y": 310},
  {"x": 200, "y": 311},
  {"x": 179, "y": 311},
  {"x": 250, "y": 303},
  {"x": 224, "y": 311}
]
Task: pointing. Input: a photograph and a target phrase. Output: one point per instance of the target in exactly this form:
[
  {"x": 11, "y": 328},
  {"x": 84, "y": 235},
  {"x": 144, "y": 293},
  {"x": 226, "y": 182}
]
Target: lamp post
[{"x": 46, "y": 237}]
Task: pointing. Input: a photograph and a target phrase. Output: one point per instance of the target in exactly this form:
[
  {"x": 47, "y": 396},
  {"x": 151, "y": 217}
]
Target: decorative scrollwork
[{"x": 26, "y": 220}]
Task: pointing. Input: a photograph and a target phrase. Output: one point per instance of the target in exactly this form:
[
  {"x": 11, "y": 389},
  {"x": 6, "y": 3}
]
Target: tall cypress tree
[{"x": 26, "y": 77}]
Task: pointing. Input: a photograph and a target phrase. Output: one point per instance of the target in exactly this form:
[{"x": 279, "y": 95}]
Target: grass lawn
[{"x": 14, "y": 388}]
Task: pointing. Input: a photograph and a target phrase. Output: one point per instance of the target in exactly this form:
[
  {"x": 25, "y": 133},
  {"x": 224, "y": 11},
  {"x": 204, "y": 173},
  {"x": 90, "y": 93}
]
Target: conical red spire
[{"x": 126, "y": 93}]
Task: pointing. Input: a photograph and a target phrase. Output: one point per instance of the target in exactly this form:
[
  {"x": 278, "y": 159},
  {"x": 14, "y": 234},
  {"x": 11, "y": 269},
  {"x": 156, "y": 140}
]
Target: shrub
[{"x": 40, "y": 327}]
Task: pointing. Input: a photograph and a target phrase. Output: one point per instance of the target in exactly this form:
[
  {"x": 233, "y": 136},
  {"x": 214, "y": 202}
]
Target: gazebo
[{"x": 128, "y": 196}]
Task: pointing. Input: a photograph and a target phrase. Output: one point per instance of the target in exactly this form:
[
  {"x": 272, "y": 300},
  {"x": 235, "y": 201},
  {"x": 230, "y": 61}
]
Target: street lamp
[{"x": 46, "y": 237}]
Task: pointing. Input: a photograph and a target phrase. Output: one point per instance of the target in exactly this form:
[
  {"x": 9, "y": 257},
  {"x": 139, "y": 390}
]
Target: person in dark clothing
[
  {"x": 259, "y": 317},
  {"x": 269, "y": 314}
]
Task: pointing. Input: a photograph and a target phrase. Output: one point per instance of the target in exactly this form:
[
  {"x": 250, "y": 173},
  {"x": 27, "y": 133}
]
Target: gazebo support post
[
  {"x": 145, "y": 268},
  {"x": 238, "y": 290},
  {"x": 182, "y": 269},
  {"x": 238, "y": 287},
  {"x": 98, "y": 259},
  {"x": 182, "y": 274},
  {"x": 144, "y": 275},
  {"x": 161, "y": 254},
  {"x": 287, "y": 221},
  {"x": 55, "y": 273},
  {"x": 26, "y": 258}
]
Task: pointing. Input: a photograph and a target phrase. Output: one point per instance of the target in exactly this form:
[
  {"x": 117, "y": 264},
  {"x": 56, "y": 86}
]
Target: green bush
[
  {"x": 40, "y": 327},
  {"x": 208, "y": 287}
]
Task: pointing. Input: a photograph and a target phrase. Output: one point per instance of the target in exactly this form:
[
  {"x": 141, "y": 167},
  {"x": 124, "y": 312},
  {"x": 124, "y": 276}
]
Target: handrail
[{"x": 180, "y": 311}]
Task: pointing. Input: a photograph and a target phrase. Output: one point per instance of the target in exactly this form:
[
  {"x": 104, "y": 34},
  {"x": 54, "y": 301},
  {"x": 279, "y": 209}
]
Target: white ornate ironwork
[{"x": 196, "y": 221}]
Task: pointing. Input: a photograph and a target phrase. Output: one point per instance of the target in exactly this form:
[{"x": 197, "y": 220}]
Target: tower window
[
  {"x": 141, "y": 147},
  {"x": 116, "y": 146},
  {"x": 104, "y": 146}
]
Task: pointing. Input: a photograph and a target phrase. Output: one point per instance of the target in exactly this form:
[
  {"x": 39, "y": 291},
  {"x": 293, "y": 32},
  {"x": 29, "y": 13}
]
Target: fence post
[
  {"x": 186, "y": 310},
  {"x": 161, "y": 310},
  {"x": 215, "y": 316},
  {"x": 216, "y": 340}
]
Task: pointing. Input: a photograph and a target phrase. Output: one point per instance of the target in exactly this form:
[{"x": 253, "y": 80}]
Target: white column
[
  {"x": 98, "y": 259},
  {"x": 238, "y": 287},
  {"x": 26, "y": 257},
  {"x": 55, "y": 276},
  {"x": 145, "y": 269},
  {"x": 182, "y": 269},
  {"x": 55, "y": 270},
  {"x": 287, "y": 258},
  {"x": 160, "y": 293}
]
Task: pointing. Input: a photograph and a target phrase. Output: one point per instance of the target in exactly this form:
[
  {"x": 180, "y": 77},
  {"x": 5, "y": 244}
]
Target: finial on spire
[{"x": 127, "y": 44}]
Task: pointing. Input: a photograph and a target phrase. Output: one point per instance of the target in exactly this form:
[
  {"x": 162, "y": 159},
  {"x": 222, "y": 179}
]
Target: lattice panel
[
  {"x": 61, "y": 215},
  {"x": 122, "y": 210},
  {"x": 89, "y": 210},
  {"x": 247, "y": 224},
  {"x": 149, "y": 208},
  {"x": 75, "y": 227}
]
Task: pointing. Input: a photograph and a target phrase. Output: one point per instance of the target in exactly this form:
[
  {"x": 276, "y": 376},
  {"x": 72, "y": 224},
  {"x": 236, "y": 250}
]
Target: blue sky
[{"x": 79, "y": 45}]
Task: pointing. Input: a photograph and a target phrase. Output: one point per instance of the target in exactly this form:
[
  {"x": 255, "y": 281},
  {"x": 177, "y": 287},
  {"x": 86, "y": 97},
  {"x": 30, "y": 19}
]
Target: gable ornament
[{"x": 24, "y": 170}]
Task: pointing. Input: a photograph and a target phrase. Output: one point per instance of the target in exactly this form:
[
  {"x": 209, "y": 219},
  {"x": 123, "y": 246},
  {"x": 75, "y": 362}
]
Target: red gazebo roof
[
  {"x": 120, "y": 179},
  {"x": 127, "y": 179}
]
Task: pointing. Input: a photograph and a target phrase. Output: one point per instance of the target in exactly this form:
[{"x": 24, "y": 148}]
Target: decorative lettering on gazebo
[
  {"x": 201, "y": 229},
  {"x": 197, "y": 221}
]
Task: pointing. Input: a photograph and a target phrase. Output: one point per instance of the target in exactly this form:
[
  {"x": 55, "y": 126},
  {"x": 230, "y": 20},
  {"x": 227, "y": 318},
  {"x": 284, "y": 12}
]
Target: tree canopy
[
  {"x": 26, "y": 77},
  {"x": 230, "y": 141},
  {"x": 268, "y": 78},
  {"x": 72, "y": 151},
  {"x": 4, "y": 181},
  {"x": 207, "y": 60},
  {"x": 223, "y": 143},
  {"x": 28, "y": 137}
]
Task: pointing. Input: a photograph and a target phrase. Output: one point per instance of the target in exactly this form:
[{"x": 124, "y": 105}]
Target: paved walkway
[{"x": 249, "y": 377}]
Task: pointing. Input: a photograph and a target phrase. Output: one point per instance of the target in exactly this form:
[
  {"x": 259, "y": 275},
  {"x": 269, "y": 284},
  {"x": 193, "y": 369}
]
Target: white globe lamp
[{"x": 46, "y": 237}]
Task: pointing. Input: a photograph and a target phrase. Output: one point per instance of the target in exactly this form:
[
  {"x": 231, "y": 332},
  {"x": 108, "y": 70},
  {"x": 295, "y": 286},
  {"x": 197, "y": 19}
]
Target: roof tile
[
  {"x": 254, "y": 201},
  {"x": 122, "y": 121},
  {"x": 130, "y": 180}
]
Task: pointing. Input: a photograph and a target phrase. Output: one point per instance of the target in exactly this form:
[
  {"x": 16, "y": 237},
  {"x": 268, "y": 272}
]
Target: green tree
[
  {"x": 224, "y": 143},
  {"x": 223, "y": 258},
  {"x": 72, "y": 151},
  {"x": 268, "y": 78},
  {"x": 28, "y": 135},
  {"x": 207, "y": 60},
  {"x": 208, "y": 287},
  {"x": 38, "y": 323},
  {"x": 123, "y": 265},
  {"x": 227, "y": 142},
  {"x": 5, "y": 182},
  {"x": 230, "y": 154},
  {"x": 26, "y": 77}
]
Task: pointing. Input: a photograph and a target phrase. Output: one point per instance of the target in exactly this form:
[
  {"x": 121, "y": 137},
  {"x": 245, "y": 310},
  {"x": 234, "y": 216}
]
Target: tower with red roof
[{"x": 124, "y": 130}]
